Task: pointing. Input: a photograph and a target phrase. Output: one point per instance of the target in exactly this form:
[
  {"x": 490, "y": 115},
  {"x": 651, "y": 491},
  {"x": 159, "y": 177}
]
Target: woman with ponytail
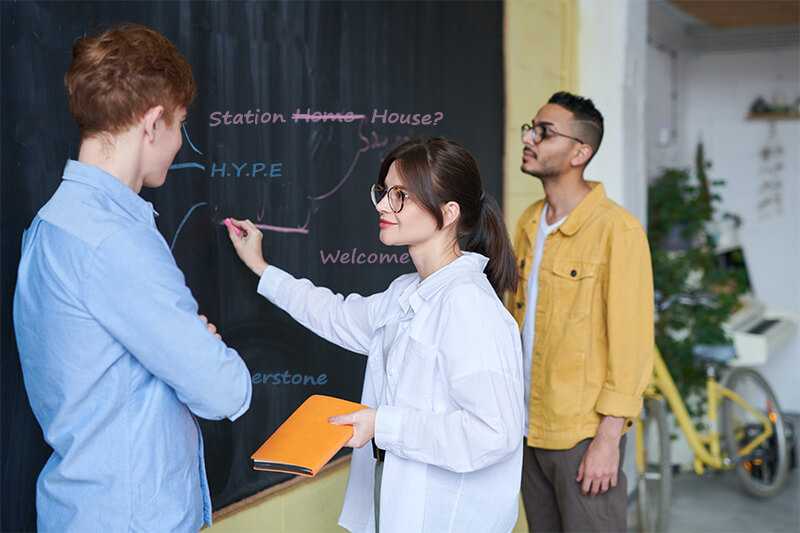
[{"x": 444, "y": 368}]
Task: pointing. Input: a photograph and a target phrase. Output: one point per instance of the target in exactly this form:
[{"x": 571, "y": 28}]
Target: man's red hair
[{"x": 117, "y": 75}]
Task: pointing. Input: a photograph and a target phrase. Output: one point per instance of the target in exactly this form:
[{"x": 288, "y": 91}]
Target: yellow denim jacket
[{"x": 594, "y": 345}]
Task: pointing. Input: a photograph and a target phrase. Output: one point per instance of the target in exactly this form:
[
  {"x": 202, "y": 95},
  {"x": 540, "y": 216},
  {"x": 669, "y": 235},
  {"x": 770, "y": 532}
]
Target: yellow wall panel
[
  {"x": 316, "y": 508},
  {"x": 266, "y": 516},
  {"x": 310, "y": 506},
  {"x": 540, "y": 42}
]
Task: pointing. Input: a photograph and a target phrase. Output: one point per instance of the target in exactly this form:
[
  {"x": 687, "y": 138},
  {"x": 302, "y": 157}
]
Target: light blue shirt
[{"x": 115, "y": 361}]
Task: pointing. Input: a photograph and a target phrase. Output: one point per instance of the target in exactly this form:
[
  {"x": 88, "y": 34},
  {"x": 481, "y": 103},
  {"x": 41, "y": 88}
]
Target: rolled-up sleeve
[
  {"x": 629, "y": 323},
  {"x": 480, "y": 355},
  {"x": 134, "y": 289}
]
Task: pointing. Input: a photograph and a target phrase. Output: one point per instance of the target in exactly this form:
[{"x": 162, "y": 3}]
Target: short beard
[{"x": 542, "y": 174}]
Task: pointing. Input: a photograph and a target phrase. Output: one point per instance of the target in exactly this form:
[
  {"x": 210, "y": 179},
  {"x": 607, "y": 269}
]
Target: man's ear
[
  {"x": 582, "y": 155},
  {"x": 450, "y": 213},
  {"x": 150, "y": 121}
]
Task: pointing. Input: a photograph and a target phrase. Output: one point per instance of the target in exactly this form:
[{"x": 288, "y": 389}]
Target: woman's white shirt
[{"x": 445, "y": 373}]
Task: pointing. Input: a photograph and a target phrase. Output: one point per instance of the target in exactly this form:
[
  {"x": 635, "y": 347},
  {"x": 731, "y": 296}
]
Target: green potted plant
[{"x": 694, "y": 292}]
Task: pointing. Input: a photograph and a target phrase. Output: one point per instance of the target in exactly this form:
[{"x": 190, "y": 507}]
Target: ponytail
[{"x": 490, "y": 238}]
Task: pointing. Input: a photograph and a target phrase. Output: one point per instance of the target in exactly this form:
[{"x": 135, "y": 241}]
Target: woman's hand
[
  {"x": 246, "y": 239},
  {"x": 363, "y": 423}
]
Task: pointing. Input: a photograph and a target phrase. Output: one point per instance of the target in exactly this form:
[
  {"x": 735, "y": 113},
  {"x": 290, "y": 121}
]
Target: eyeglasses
[
  {"x": 540, "y": 132},
  {"x": 395, "y": 195}
]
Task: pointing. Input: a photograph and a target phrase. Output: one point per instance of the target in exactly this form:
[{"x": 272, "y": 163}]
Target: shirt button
[{"x": 573, "y": 273}]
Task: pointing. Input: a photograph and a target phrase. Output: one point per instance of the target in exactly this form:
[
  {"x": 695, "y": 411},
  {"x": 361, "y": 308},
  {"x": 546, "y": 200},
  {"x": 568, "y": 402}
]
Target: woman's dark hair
[{"x": 437, "y": 171}]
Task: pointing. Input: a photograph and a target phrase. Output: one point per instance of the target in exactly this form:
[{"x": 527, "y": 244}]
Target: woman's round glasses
[
  {"x": 395, "y": 195},
  {"x": 540, "y": 132}
]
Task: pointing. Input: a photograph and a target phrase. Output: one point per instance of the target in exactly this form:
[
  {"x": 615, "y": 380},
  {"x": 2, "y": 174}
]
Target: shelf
[{"x": 773, "y": 116}]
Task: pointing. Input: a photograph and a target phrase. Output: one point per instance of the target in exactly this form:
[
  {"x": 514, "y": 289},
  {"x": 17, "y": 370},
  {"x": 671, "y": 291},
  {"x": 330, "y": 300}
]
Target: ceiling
[{"x": 742, "y": 13}]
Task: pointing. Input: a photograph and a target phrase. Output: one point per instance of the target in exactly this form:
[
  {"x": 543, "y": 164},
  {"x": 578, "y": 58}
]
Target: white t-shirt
[{"x": 529, "y": 326}]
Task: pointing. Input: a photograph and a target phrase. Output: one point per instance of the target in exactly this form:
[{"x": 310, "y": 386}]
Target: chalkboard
[{"x": 297, "y": 105}]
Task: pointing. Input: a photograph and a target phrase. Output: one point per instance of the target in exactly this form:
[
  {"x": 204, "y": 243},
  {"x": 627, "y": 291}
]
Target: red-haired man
[{"x": 115, "y": 357}]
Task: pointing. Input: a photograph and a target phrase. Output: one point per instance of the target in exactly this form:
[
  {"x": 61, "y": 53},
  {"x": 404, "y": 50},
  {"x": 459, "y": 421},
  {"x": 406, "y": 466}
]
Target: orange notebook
[{"x": 306, "y": 441}]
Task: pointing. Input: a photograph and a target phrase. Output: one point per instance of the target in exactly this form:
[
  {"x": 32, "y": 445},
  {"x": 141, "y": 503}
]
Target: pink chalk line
[
  {"x": 327, "y": 117},
  {"x": 278, "y": 229}
]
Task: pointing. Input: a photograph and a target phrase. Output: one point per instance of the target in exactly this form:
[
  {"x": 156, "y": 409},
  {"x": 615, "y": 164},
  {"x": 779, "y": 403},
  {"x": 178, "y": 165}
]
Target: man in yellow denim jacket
[{"x": 585, "y": 309}]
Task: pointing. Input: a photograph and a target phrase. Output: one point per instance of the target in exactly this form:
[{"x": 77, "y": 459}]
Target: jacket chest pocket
[
  {"x": 416, "y": 377},
  {"x": 574, "y": 283}
]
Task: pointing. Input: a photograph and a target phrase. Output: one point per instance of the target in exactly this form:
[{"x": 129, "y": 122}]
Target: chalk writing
[
  {"x": 183, "y": 222},
  {"x": 250, "y": 117},
  {"x": 303, "y": 230},
  {"x": 247, "y": 169},
  {"x": 356, "y": 257},
  {"x": 325, "y": 116},
  {"x": 388, "y": 116},
  {"x": 231, "y": 169},
  {"x": 285, "y": 378},
  {"x": 257, "y": 117},
  {"x": 371, "y": 141}
]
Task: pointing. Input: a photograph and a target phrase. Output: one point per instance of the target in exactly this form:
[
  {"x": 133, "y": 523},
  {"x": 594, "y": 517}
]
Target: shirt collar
[
  {"x": 584, "y": 209},
  {"x": 118, "y": 192},
  {"x": 422, "y": 290},
  {"x": 576, "y": 218},
  {"x": 532, "y": 226}
]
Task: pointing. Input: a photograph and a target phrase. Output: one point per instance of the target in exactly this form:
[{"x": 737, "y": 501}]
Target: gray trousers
[{"x": 553, "y": 499}]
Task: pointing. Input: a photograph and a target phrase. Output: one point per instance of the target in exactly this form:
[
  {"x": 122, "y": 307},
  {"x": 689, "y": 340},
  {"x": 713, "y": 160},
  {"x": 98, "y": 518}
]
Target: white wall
[
  {"x": 719, "y": 88},
  {"x": 612, "y": 54},
  {"x": 667, "y": 45},
  {"x": 662, "y": 147}
]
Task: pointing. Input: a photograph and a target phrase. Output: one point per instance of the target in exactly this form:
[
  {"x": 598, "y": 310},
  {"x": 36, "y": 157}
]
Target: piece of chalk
[{"x": 229, "y": 223}]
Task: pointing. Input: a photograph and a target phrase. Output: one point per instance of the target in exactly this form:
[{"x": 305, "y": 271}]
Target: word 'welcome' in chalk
[
  {"x": 285, "y": 378},
  {"x": 354, "y": 257}
]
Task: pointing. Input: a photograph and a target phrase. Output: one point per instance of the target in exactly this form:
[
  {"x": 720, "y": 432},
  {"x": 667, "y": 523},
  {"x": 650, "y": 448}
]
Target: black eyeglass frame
[
  {"x": 377, "y": 188},
  {"x": 546, "y": 132}
]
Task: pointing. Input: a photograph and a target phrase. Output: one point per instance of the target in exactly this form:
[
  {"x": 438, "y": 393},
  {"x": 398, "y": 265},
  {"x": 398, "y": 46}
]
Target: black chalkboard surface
[{"x": 297, "y": 104}]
